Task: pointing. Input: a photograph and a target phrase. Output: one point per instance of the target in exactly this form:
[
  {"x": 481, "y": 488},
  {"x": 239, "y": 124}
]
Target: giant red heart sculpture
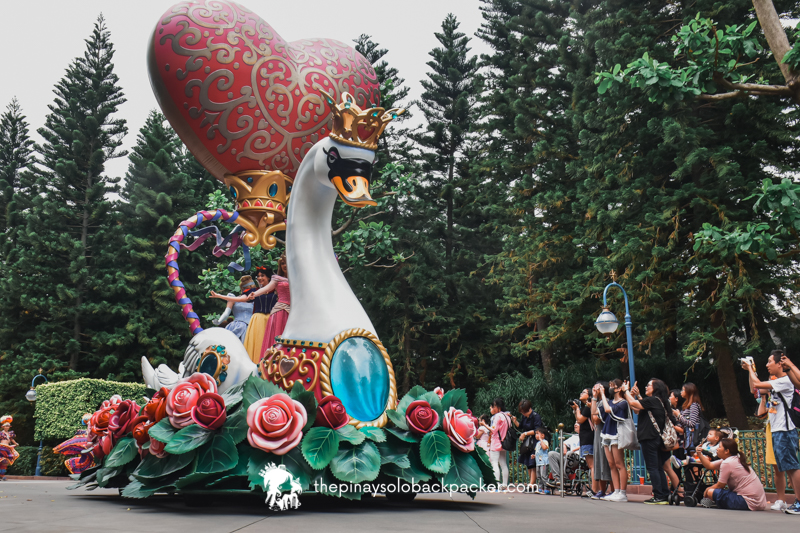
[{"x": 242, "y": 98}]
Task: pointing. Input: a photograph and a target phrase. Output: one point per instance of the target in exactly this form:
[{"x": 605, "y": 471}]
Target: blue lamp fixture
[{"x": 31, "y": 397}]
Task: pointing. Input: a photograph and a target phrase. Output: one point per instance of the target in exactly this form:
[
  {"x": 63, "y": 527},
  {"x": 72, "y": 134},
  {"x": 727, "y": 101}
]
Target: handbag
[
  {"x": 626, "y": 432},
  {"x": 528, "y": 445},
  {"x": 669, "y": 437}
]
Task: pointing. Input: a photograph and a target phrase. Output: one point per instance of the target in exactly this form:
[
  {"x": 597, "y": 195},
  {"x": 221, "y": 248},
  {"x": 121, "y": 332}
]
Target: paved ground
[{"x": 45, "y": 506}]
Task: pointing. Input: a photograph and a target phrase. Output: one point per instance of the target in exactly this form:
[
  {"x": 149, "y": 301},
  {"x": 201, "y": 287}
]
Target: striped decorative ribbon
[{"x": 171, "y": 259}]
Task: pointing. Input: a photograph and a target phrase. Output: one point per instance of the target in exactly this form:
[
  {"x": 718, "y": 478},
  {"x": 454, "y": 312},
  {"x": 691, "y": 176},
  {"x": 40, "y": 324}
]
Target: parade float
[{"x": 289, "y": 127}]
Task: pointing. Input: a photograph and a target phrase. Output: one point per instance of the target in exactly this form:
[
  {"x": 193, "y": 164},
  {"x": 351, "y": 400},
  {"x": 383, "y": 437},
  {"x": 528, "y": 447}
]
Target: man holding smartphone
[{"x": 784, "y": 433}]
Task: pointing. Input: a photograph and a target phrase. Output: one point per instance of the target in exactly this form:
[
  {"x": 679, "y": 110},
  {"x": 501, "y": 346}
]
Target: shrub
[
  {"x": 25, "y": 465},
  {"x": 60, "y": 405}
]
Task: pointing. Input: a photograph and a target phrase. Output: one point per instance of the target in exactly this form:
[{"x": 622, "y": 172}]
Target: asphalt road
[{"x": 45, "y": 506}]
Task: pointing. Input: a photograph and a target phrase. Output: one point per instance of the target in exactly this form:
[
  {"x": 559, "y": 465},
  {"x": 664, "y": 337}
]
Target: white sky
[{"x": 43, "y": 37}]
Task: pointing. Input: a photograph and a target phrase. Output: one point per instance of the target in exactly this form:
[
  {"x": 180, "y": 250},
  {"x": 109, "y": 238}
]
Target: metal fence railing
[{"x": 752, "y": 442}]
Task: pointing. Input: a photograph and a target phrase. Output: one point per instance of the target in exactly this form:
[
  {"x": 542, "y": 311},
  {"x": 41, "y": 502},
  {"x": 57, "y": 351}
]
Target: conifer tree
[
  {"x": 15, "y": 155},
  {"x": 65, "y": 270}
]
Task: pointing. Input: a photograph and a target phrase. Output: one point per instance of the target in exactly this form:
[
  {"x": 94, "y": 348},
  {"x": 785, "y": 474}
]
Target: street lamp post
[
  {"x": 607, "y": 323},
  {"x": 31, "y": 397}
]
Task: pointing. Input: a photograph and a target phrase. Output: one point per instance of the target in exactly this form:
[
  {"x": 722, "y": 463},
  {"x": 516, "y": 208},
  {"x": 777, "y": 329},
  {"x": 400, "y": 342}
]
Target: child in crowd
[
  {"x": 541, "y": 453},
  {"x": 710, "y": 446},
  {"x": 483, "y": 433}
]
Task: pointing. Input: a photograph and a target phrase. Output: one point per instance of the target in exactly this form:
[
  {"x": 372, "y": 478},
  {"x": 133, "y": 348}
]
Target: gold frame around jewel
[
  {"x": 325, "y": 374},
  {"x": 221, "y": 367},
  {"x": 300, "y": 362}
]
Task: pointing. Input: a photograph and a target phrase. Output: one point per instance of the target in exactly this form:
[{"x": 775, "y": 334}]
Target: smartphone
[{"x": 749, "y": 361}]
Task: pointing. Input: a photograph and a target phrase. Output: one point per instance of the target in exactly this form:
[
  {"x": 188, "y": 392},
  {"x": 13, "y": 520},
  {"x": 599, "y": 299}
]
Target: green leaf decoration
[
  {"x": 434, "y": 450},
  {"x": 417, "y": 391},
  {"x": 106, "y": 474},
  {"x": 307, "y": 399},
  {"x": 464, "y": 475},
  {"x": 295, "y": 463},
  {"x": 135, "y": 489},
  {"x": 152, "y": 467},
  {"x": 356, "y": 464},
  {"x": 319, "y": 446},
  {"x": 240, "y": 470},
  {"x": 373, "y": 434},
  {"x": 455, "y": 398},
  {"x": 122, "y": 454},
  {"x": 393, "y": 450},
  {"x": 485, "y": 466},
  {"x": 235, "y": 427},
  {"x": 191, "y": 479},
  {"x": 351, "y": 434},
  {"x": 405, "y": 436},
  {"x": 188, "y": 439},
  {"x": 413, "y": 473},
  {"x": 217, "y": 456},
  {"x": 162, "y": 431},
  {"x": 258, "y": 460},
  {"x": 233, "y": 397},
  {"x": 397, "y": 418},
  {"x": 256, "y": 388}
]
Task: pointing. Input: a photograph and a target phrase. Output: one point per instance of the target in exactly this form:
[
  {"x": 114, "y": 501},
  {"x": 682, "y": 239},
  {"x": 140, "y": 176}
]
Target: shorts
[
  {"x": 727, "y": 499},
  {"x": 587, "y": 449},
  {"x": 784, "y": 446},
  {"x": 609, "y": 440},
  {"x": 770, "y": 454}
]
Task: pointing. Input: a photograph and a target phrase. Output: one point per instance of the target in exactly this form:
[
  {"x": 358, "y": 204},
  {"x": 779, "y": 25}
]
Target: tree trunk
[
  {"x": 778, "y": 42},
  {"x": 77, "y": 326},
  {"x": 448, "y": 241},
  {"x": 547, "y": 353},
  {"x": 727, "y": 375}
]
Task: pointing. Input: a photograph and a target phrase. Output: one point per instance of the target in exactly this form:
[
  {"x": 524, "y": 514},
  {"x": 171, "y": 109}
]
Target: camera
[
  {"x": 748, "y": 360},
  {"x": 570, "y": 403}
]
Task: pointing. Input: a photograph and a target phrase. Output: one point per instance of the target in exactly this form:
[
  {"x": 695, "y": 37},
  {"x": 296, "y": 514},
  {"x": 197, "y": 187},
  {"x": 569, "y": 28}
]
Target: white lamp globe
[
  {"x": 31, "y": 395},
  {"x": 606, "y": 323}
]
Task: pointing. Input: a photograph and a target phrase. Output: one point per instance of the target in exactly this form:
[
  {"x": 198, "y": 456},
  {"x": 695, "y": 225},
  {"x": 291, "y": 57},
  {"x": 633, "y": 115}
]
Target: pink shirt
[
  {"x": 745, "y": 484},
  {"x": 499, "y": 429}
]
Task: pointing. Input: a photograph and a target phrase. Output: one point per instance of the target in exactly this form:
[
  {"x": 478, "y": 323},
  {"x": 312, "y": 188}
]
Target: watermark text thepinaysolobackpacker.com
[{"x": 416, "y": 487}]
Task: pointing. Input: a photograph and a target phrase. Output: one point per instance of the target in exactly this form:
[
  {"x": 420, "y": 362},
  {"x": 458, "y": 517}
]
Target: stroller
[
  {"x": 696, "y": 478},
  {"x": 576, "y": 475}
]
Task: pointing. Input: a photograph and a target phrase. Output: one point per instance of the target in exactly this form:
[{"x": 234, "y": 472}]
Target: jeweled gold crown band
[{"x": 358, "y": 127}]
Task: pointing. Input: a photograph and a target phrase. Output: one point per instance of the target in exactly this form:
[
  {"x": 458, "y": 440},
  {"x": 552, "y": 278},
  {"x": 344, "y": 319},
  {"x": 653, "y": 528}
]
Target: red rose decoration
[
  {"x": 420, "y": 417},
  {"x": 276, "y": 423},
  {"x": 460, "y": 428},
  {"x": 98, "y": 424},
  {"x": 331, "y": 413},
  {"x": 156, "y": 408},
  {"x": 120, "y": 422},
  {"x": 209, "y": 411},
  {"x": 157, "y": 448},
  {"x": 141, "y": 428},
  {"x": 439, "y": 392},
  {"x": 184, "y": 396}
]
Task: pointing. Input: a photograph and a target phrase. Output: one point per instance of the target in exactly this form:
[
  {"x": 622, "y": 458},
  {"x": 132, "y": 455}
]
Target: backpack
[
  {"x": 791, "y": 411},
  {"x": 701, "y": 432},
  {"x": 509, "y": 443}
]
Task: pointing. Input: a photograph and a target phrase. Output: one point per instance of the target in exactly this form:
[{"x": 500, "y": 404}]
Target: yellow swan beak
[{"x": 353, "y": 190}]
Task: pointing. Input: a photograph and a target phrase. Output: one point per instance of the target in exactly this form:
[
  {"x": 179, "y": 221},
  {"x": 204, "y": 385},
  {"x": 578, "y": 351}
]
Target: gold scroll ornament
[{"x": 261, "y": 200}]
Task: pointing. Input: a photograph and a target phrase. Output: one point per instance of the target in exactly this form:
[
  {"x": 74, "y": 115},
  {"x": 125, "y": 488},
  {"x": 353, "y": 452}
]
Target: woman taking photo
[
  {"x": 689, "y": 415},
  {"x": 527, "y": 426},
  {"x": 601, "y": 473},
  {"x": 653, "y": 414},
  {"x": 616, "y": 409},
  {"x": 583, "y": 414}
]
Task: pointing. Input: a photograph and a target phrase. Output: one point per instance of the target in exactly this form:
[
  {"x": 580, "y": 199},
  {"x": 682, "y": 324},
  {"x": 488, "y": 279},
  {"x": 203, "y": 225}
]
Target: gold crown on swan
[{"x": 358, "y": 127}]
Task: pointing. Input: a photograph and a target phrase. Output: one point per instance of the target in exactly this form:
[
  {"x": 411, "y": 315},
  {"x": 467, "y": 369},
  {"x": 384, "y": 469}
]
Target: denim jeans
[{"x": 654, "y": 459}]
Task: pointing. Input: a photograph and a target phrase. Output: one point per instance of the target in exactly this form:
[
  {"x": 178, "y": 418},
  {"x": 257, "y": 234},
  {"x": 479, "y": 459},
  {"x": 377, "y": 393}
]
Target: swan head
[{"x": 348, "y": 169}]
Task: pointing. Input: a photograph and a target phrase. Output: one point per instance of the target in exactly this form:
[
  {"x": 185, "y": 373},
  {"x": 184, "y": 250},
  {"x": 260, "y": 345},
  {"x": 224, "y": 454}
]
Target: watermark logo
[{"x": 278, "y": 480}]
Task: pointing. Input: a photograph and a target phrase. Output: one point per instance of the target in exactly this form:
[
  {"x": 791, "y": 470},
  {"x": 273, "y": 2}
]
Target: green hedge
[
  {"x": 25, "y": 465},
  {"x": 60, "y": 405}
]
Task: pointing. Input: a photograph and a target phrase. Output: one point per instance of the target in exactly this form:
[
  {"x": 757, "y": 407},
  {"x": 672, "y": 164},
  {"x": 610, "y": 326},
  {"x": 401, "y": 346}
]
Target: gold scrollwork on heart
[{"x": 278, "y": 366}]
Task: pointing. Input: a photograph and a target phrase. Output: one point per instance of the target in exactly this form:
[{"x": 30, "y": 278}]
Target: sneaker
[
  {"x": 779, "y": 505},
  {"x": 599, "y": 495},
  {"x": 708, "y": 503},
  {"x": 793, "y": 509},
  {"x": 616, "y": 497},
  {"x": 547, "y": 491},
  {"x": 676, "y": 463},
  {"x": 656, "y": 501}
]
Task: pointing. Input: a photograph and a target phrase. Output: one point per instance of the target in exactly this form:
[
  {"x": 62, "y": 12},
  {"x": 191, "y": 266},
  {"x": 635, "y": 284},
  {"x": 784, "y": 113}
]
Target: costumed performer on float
[
  {"x": 7, "y": 444},
  {"x": 280, "y": 313},
  {"x": 77, "y": 446},
  {"x": 263, "y": 300},
  {"x": 242, "y": 311}
]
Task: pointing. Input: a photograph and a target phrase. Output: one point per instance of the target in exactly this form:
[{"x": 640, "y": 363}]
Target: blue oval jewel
[
  {"x": 250, "y": 179},
  {"x": 288, "y": 189},
  {"x": 222, "y": 376},
  {"x": 209, "y": 365},
  {"x": 360, "y": 378},
  {"x": 273, "y": 189},
  {"x": 233, "y": 191}
]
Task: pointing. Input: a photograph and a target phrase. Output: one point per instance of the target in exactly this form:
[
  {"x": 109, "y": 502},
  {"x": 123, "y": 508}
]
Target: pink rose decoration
[
  {"x": 185, "y": 395},
  {"x": 331, "y": 413},
  {"x": 120, "y": 422},
  {"x": 209, "y": 412},
  {"x": 420, "y": 417},
  {"x": 276, "y": 423},
  {"x": 157, "y": 448},
  {"x": 439, "y": 392},
  {"x": 460, "y": 428}
]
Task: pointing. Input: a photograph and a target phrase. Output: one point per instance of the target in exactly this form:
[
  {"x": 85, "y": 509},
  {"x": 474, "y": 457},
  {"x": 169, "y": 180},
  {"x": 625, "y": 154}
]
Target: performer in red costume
[{"x": 280, "y": 313}]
